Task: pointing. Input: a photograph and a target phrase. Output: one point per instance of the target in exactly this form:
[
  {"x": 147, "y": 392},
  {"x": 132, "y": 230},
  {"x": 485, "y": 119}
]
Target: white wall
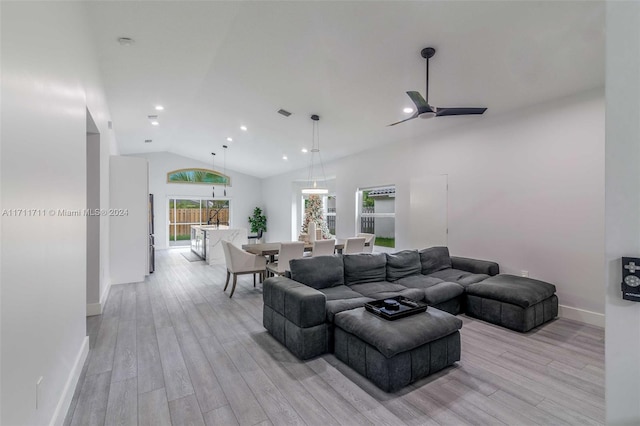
[
  {"x": 49, "y": 80},
  {"x": 525, "y": 190},
  {"x": 622, "y": 156},
  {"x": 245, "y": 193},
  {"x": 129, "y": 223}
]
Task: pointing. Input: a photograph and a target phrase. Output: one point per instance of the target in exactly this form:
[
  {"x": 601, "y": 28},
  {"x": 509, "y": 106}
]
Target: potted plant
[{"x": 258, "y": 222}]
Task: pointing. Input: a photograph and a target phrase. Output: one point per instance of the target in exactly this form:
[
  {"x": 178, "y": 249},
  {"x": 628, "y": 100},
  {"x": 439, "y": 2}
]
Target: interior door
[{"x": 428, "y": 211}]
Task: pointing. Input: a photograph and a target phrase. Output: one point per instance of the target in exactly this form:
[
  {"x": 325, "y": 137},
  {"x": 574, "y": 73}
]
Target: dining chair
[
  {"x": 323, "y": 247},
  {"x": 287, "y": 251},
  {"x": 239, "y": 262},
  {"x": 370, "y": 239},
  {"x": 353, "y": 245}
]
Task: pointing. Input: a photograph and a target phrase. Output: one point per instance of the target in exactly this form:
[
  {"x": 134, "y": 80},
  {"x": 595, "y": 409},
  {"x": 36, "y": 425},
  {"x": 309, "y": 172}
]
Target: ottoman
[
  {"x": 393, "y": 354},
  {"x": 514, "y": 302}
]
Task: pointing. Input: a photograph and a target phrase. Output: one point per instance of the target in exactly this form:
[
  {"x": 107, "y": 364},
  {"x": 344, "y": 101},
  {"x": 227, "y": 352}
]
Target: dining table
[{"x": 271, "y": 249}]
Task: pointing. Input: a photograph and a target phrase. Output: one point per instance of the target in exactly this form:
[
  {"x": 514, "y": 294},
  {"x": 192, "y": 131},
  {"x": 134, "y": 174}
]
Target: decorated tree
[{"x": 313, "y": 212}]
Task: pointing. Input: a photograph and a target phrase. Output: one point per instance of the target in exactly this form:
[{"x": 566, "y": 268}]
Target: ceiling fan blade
[
  {"x": 419, "y": 101},
  {"x": 402, "y": 121},
  {"x": 441, "y": 112}
]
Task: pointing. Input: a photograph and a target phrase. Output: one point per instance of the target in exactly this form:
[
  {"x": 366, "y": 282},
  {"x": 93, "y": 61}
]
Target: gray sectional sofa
[{"x": 299, "y": 310}]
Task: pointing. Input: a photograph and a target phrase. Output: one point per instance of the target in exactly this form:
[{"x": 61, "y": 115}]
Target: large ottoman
[
  {"x": 393, "y": 354},
  {"x": 514, "y": 302}
]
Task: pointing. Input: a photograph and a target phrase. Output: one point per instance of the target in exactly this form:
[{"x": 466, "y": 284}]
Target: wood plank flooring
[{"x": 175, "y": 350}]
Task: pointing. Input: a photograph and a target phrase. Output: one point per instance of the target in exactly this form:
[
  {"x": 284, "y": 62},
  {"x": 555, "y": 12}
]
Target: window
[
  {"x": 184, "y": 212},
  {"x": 198, "y": 176},
  {"x": 331, "y": 213},
  {"x": 316, "y": 205},
  {"x": 377, "y": 214}
]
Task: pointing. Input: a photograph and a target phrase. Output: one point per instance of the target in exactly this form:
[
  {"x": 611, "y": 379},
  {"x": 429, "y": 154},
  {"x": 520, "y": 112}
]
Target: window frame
[
  {"x": 171, "y": 226},
  {"x": 360, "y": 214}
]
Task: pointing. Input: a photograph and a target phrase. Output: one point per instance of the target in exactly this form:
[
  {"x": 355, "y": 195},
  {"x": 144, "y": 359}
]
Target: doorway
[
  {"x": 187, "y": 211},
  {"x": 93, "y": 221}
]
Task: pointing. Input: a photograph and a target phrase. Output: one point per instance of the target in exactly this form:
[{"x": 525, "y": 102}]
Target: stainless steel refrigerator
[{"x": 152, "y": 250}]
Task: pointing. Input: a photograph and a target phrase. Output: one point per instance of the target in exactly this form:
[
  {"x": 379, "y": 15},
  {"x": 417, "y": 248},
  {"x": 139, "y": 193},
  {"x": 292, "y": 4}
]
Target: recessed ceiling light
[
  {"x": 229, "y": 140},
  {"x": 159, "y": 108},
  {"x": 407, "y": 110},
  {"x": 243, "y": 128},
  {"x": 305, "y": 150},
  {"x": 284, "y": 157},
  {"x": 155, "y": 123},
  {"x": 148, "y": 140}
]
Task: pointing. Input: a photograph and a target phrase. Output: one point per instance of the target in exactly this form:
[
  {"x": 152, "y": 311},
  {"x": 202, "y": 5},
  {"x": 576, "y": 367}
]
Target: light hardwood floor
[{"x": 176, "y": 350}]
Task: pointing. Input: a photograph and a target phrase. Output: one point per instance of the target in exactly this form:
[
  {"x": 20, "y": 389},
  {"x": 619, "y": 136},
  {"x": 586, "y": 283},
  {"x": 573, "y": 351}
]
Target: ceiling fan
[{"x": 424, "y": 110}]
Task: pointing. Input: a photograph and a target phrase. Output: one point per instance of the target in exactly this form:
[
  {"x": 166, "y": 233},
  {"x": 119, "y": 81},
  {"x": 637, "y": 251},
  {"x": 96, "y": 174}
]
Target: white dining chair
[
  {"x": 239, "y": 262},
  {"x": 323, "y": 247},
  {"x": 353, "y": 245},
  {"x": 287, "y": 251},
  {"x": 368, "y": 239}
]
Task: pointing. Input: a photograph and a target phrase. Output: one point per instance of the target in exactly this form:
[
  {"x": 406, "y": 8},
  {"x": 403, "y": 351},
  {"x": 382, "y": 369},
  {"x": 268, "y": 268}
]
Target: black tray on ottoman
[{"x": 403, "y": 307}]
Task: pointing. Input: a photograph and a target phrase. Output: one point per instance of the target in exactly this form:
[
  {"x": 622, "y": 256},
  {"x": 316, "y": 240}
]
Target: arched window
[{"x": 198, "y": 176}]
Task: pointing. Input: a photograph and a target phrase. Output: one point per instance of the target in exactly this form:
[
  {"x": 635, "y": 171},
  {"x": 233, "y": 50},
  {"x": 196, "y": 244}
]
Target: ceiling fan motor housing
[{"x": 428, "y": 52}]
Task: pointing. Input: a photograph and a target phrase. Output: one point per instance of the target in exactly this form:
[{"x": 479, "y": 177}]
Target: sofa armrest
[
  {"x": 475, "y": 266},
  {"x": 302, "y": 305}
]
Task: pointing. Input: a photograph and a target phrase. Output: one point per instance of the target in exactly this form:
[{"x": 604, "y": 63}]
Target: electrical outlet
[
  {"x": 525, "y": 273},
  {"x": 38, "y": 385}
]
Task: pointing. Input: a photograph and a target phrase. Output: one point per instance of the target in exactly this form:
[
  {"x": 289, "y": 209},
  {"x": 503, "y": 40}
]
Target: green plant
[
  {"x": 258, "y": 221},
  {"x": 366, "y": 200}
]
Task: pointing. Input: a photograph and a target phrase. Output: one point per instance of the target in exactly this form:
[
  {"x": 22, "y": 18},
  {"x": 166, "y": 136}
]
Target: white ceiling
[{"x": 217, "y": 65}]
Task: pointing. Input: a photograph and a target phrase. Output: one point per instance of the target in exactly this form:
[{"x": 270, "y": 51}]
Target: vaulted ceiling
[{"x": 215, "y": 66}]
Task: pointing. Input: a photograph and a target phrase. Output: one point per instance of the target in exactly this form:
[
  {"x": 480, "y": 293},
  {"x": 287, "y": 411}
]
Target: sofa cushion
[
  {"x": 339, "y": 292},
  {"x": 520, "y": 291},
  {"x": 475, "y": 266},
  {"x": 403, "y": 264},
  {"x": 463, "y": 278},
  {"x": 419, "y": 281},
  {"x": 385, "y": 289},
  {"x": 472, "y": 279},
  {"x": 318, "y": 272},
  {"x": 434, "y": 259},
  {"x": 442, "y": 292},
  {"x": 364, "y": 268},
  {"x": 341, "y": 305}
]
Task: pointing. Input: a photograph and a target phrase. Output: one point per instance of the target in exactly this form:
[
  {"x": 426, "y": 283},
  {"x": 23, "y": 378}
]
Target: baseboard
[
  {"x": 70, "y": 386},
  {"x": 577, "y": 314},
  {"x": 96, "y": 308}
]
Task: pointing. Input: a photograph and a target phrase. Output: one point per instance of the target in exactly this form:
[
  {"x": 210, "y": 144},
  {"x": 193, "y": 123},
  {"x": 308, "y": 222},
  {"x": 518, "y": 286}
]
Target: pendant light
[
  {"x": 213, "y": 168},
  {"x": 313, "y": 187},
  {"x": 225, "y": 170}
]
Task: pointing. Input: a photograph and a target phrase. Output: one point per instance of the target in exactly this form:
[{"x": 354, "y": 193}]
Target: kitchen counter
[{"x": 206, "y": 241}]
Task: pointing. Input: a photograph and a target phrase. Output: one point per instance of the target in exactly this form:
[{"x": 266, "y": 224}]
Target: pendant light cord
[
  {"x": 225, "y": 169},
  {"x": 315, "y": 148},
  {"x": 324, "y": 176},
  {"x": 213, "y": 168}
]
